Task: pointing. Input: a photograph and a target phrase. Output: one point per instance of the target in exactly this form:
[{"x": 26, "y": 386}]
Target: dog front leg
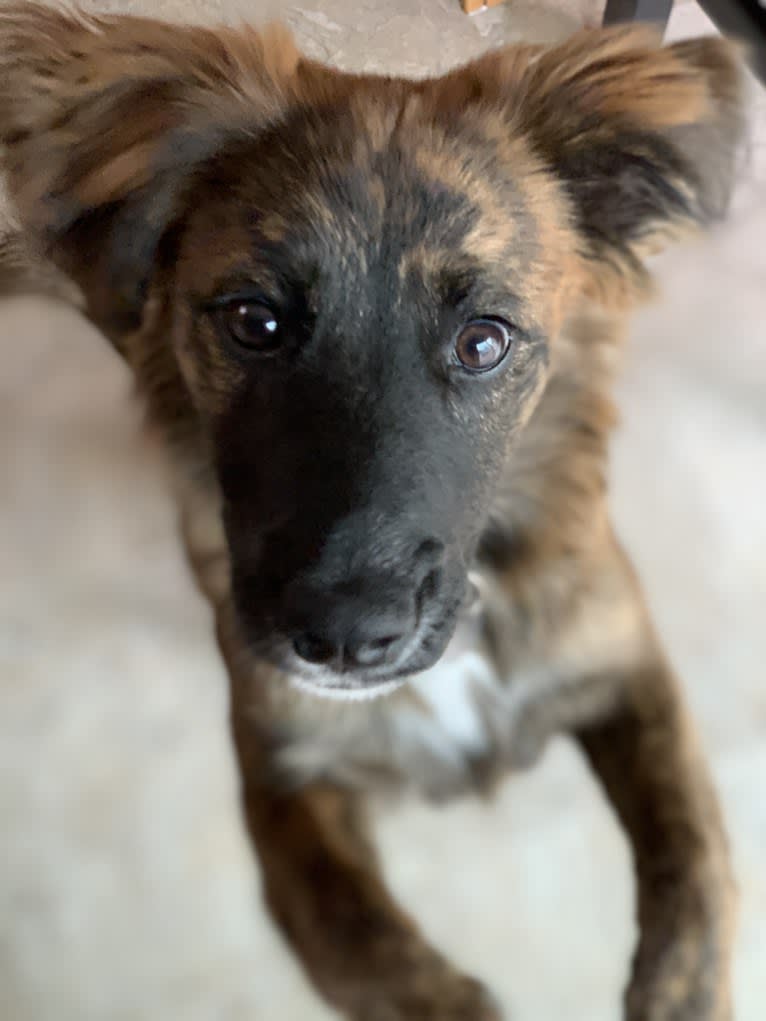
[
  {"x": 324, "y": 889},
  {"x": 647, "y": 758},
  {"x": 322, "y": 883}
]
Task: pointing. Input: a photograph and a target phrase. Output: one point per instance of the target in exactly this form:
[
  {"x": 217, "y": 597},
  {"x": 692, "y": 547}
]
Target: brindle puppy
[{"x": 376, "y": 321}]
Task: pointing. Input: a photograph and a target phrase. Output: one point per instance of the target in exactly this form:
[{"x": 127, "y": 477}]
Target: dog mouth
[
  {"x": 424, "y": 651},
  {"x": 355, "y": 685}
]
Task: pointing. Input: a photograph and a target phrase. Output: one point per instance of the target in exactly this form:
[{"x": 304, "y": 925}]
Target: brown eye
[
  {"x": 483, "y": 343},
  {"x": 250, "y": 324}
]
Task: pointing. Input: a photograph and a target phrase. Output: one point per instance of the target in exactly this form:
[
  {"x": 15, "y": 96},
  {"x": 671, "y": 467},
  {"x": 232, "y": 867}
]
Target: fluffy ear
[
  {"x": 103, "y": 121},
  {"x": 644, "y": 137}
]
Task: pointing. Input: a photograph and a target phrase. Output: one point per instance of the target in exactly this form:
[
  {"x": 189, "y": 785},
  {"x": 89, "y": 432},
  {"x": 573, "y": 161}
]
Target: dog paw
[{"x": 455, "y": 998}]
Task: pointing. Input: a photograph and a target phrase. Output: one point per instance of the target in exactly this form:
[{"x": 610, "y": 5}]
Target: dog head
[{"x": 359, "y": 282}]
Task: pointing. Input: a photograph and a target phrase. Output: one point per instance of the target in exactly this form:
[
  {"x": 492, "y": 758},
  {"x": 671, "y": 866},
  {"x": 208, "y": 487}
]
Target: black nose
[
  {"x": 365, "y": 621},
  {"x": 363, "y": 646}
]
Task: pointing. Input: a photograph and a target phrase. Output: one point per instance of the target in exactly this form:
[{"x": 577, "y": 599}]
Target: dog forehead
[
  {"x": 374, "y": 190},
  {"x": 420, "y": 182}
]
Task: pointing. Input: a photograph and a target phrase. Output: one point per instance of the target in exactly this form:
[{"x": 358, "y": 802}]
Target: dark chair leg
[
  {"x": 745, "y": 20},
  {"x": 638, "y": 10}
]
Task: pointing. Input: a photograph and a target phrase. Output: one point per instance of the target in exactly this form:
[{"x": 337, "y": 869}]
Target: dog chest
[{"x": 442, "y": 734}]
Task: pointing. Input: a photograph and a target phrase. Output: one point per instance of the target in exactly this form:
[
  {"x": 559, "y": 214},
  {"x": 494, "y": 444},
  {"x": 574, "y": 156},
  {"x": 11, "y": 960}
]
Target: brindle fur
[{"x": 560, "y": 169}]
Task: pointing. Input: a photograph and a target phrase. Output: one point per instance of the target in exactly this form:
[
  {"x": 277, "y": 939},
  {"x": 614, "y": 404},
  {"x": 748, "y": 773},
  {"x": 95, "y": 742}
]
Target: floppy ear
[
  {"x": 643, "y": 137},
  {"x": 103, "y": 121}
]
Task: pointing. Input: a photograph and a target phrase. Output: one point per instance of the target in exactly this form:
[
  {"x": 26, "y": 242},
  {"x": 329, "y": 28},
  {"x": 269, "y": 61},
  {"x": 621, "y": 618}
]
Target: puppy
[{"x": 376, "y": 322}]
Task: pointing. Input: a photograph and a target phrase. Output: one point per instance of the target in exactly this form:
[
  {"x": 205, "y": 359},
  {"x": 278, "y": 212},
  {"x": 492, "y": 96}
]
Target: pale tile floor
[{"x": 127, "y": 892}]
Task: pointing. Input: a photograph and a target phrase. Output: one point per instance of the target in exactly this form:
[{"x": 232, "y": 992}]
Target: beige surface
[{"x": 126, "y": 888}]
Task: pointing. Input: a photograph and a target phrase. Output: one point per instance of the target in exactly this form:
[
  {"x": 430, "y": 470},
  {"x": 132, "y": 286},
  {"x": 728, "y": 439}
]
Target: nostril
[
  {"x": 314, "y": 649},
  {"x": 428, "y": 587},
  {"x": 382, "y": 643},
  {"x": 430, "y": 551}
]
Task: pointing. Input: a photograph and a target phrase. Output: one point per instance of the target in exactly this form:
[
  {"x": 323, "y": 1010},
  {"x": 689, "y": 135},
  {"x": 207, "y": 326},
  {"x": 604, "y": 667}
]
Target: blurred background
[{"x": 127, "y": 890}]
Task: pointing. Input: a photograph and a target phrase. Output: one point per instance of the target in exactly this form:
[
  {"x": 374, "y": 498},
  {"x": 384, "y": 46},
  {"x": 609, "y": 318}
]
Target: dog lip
[
  {"x": 357, "y": 687},
  {"x": 346, "y": 692}
]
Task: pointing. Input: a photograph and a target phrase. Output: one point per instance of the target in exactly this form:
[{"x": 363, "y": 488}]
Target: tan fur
[{"x": 93, "y": 113}]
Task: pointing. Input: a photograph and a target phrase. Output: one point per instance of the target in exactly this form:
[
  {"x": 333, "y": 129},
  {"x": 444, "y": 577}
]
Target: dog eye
[
  {"x": 483, "y": 343},
  {"x": 250, "y": 325}
]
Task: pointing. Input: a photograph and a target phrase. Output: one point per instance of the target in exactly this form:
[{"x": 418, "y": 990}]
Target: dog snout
[{"x": 365, "y": 620}]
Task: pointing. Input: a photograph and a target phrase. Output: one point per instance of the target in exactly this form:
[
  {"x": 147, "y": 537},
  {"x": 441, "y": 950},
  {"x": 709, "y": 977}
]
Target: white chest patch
[
  {"x": 448, "y": 693},
  {"x": 460, "y": 722}
]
